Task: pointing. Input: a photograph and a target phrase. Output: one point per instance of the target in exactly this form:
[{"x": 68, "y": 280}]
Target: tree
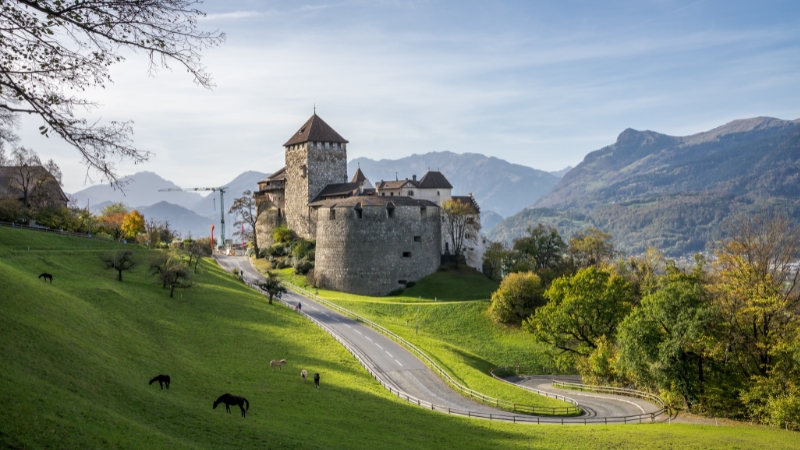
[
  {"x": 591, "y": 247},
  {"x": 271, "y": 285},
  {"x": 757, "y": 290},
  {"x": 171, "y": 272},
  {"x": 53, "y": 49},
  {"x": 54, "y": 170},
  {"x": 582, "y": 309},
  {"x": 133, "y": 224},
  {"x": 542, "y": 248},
  {"x": 495, "y": 260},
  {"x": 197, "y": 249},
  {"x": 112, "y": 218},
  {"x": 246, "y": 211},
  {"x": 517, "y": 297},
  {"x": 121, "y": 261},
  {"x": 664, "y": 342},
  {"x": 25, "y": 173},
  {"x": 459, "y": 224}
]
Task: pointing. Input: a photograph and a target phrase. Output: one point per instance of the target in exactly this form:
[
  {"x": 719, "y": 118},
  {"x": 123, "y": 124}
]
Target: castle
[{"x": 370, "y": 239}]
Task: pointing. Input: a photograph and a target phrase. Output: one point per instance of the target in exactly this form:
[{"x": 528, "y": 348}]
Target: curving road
[
  {"x": 594, "y": 405},
  {"x": 413, "y": 377}
]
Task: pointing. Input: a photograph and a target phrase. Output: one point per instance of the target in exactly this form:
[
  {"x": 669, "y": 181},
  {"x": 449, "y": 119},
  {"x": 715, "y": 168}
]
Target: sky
[{"x": 537, "y": 83}]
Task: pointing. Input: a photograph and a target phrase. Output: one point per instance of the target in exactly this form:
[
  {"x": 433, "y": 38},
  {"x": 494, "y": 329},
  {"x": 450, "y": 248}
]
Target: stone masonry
[{"x": 310, "y": 167}]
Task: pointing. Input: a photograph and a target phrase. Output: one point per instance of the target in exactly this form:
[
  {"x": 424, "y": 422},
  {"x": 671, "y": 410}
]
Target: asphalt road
[
  {"x": 412, "y": 376},
  {"x": 594, "y": 405}
]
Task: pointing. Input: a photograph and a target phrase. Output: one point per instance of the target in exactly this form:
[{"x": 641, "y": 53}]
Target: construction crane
[{"x": 221, "y": 190}]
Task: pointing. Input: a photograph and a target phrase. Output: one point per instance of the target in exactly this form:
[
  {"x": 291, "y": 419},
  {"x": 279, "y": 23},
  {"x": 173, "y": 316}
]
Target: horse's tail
[{"x": 246, "y": 404}]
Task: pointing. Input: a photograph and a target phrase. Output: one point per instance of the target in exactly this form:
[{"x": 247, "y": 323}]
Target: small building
[{"x": 40, "y": 186}]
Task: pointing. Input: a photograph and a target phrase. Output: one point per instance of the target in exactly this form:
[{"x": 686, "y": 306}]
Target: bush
[
  {"x": 311, "y": 255},
  {"x": 411, "y": 284},
  {"x": 302, "y": 267},
  {"x": 276, "y": 250},
  {"x": 519, "y": 294},
  {"x": 10, "y": 210},
  {"x": 311, "y": 279},
  {"x": 250, "y": 251},
  {"x": 263, "y": 252},
  {"x": 282, "y": 234},
  {"x": 282, "y": 264}
]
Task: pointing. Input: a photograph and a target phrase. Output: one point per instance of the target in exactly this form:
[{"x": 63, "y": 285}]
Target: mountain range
[
  {"x": 499, "y": 186},
  {"x": 673, "y": 192}
]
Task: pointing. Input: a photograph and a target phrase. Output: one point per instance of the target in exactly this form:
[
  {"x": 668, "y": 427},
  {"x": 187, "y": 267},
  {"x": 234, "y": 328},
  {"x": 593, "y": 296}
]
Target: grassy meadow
[{"x": 76, "y": 356}]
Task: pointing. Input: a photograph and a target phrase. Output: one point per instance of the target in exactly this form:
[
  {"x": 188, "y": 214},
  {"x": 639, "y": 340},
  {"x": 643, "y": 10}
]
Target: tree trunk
[
  {"x": 270, "y": 298},
  {"x": 119, "y": 277},
  {"x": 171, "y": 291}
]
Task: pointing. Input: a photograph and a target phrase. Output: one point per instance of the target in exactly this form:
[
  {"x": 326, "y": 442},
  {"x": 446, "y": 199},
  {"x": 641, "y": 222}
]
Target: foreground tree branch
[{"x": 54, "y": 50}]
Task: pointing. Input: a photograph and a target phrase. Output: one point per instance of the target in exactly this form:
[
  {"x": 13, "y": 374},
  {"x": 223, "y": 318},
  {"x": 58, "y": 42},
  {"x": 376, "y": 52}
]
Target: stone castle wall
[
  {"x": 366, "y": 255},
  {"x": 309, "y": 168}
]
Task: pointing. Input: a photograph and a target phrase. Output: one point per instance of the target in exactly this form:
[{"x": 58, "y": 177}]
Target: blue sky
[{"x": 535, "y": 83}]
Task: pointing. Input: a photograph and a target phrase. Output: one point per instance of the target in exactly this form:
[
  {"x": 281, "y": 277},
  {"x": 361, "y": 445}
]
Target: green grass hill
[{"x": 75, "y": 358}]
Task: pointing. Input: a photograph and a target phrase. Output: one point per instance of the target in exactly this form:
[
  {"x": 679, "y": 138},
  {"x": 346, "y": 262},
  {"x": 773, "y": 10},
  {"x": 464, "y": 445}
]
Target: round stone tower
[
  {"x": 372, "y": 245},
  {"x": 316, "y": 156}
]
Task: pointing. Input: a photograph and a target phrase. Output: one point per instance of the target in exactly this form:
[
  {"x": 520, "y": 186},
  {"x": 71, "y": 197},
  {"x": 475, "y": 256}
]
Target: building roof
[
  {"x": 315, "y": 130},
  {"x": 434, "y": 180},
  {"x": 279, "y": 175},
  {"x": 338, "y": 190},
  {"x": 395, "y": 184},
  {"x": 8, "y": 174},
  {"x": 469, "y": 200},
  {"x": 371, "y": 200},
  {"x": 358, "y": 177}
]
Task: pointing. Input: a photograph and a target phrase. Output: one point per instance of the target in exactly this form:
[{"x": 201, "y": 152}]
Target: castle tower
[{"x": 316, "y": 156}]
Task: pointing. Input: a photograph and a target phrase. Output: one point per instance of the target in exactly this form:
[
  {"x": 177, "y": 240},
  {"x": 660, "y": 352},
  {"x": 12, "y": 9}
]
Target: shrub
[
  {"x": 411, "y": 284},
  {"x": 302, "y": 267},
  {"x": 276, "y": 250},
  {"x": 282, "y": 264},
  {"x": 10, "y": 210},
  {"x": 519, "y": 294},
  {"x": 311, "y": 255},
  {"x": 264, "y": 252},
  {"x": 282, "y": 234},
  {"x": 301, "y": 248},
  {"x": 311, "y": 279}
]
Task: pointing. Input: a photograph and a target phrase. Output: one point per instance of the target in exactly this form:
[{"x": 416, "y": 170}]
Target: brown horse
[
  {"x": 229, "y": 400},
  {"x": 275, "y": 362}
]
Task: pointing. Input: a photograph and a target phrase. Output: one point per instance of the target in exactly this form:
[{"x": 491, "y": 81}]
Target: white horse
[
  {"x": 277, "y": 363},
  {"x": 303, "y": 375}
]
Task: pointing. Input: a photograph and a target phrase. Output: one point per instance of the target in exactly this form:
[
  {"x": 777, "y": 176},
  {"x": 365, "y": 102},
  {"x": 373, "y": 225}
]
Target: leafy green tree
[
  {"x": 582, "y": 309},
  {"x": 171, "y": 272},
  {"x": 496, "y": 258},
  {"x": 542, "y": 248},
  {"x": 459, "y": 225},
  {"x": 271, "y": 285},
  {"x": 665, "y": 342},
  {"x": 517, "y": 297},
  {"x": 591, "y": 247}
]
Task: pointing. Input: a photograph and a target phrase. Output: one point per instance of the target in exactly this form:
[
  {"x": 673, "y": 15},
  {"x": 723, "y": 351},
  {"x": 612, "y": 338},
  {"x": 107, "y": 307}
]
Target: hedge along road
[{"x": 411, "y": 375}]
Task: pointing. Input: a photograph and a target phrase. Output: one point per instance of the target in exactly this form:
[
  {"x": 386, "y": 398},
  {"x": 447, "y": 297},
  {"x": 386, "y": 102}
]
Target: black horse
[
  {"x": 162, "y": 380},
  {"x": 316, "y": 380},
  {"x": 46, "y": 277},
  {"x": 229, "y": 400}
]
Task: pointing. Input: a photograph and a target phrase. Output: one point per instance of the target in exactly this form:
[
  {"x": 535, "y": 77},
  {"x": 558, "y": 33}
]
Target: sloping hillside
[
  {"x": 498, "y": 185},
  {"x": 673, "y": 193},
  {"x": 754, "y": 157}
]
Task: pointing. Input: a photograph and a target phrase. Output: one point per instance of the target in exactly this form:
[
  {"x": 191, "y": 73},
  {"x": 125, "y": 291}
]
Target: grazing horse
[
  {"x": 46, "y": 277},
  {"x": 303, "y": 375},
  {"x": 229, "y": 400},
  {"x": 162, "y": 380},
  {"x": 275, "y": 362},
  {"x": 316, "y": 380}
]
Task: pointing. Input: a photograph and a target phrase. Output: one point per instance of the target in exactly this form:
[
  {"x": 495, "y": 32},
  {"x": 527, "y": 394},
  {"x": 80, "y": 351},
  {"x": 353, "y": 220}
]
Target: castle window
[
  {"x": 410, "y": 193},
  {"x": 332, "y": 214},
  {"x": 401, "y": 281},
  {"x": 417, "y": 238},
  {"x": 406, "y": 254},
  {"x": 279, "y": 212},
  {"x": 390, "y": 210},
  {"x": 359, "y": 211},
  {"x": 423, "y": 212},
  {"x": 383, "y": 194},
  {"x": 437, "y": 193},
  {"x": 303, "y": 171},
  {"x": 391, "y": 194}
]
